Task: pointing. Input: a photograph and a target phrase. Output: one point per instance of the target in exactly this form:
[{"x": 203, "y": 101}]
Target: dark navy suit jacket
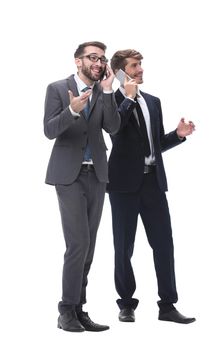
[{"x": 126, "y": 162}]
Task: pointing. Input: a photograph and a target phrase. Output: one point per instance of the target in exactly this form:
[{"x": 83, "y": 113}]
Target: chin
[
  {"x": 94, "y": 78},
  {"x": 97, "y": 77},
  {"x": 139, "y": 80}
]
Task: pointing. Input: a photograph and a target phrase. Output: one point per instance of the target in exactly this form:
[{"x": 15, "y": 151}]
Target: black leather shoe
[
  {"x": 89, "y": 325},
  {"x": 69, "y": 322},
  {"x": 175, "y": 316},
  {"x": 127, "y": 315}
]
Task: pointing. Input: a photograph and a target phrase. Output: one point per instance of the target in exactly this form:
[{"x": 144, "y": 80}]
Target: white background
[{"x": 182, "y": 45}]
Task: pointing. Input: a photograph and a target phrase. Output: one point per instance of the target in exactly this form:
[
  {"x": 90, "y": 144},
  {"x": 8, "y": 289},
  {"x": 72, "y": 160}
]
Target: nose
[{"x": 98, "y": 63}]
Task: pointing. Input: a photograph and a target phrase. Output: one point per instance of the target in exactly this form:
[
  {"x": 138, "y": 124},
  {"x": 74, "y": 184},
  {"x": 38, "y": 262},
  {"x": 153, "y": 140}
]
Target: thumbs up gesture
[{"x": 77, "y": 103}]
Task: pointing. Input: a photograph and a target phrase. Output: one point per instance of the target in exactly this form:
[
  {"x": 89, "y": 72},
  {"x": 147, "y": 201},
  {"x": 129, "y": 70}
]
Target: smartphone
[
  {"x": 120, "y": 75},
  {"x": 104, "y": 74}
]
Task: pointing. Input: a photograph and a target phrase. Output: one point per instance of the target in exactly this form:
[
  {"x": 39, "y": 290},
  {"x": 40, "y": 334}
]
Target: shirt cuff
[
  {"x": 74, "y": 114},
  {"x": 108, "y": 92}
]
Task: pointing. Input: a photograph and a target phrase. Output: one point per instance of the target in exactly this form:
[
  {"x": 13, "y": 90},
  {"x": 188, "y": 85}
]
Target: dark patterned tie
[
  {"x": 87, "y": 154},
  {"x": 147, "y": 150}
]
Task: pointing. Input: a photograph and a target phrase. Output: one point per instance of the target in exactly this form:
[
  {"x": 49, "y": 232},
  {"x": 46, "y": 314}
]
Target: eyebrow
[{"x": 94, "y": 53}]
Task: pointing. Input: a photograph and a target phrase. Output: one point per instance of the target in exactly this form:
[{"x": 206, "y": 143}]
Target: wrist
[
  {"x": 179, "y": 136},
  {"x": 130, "y": 96}
]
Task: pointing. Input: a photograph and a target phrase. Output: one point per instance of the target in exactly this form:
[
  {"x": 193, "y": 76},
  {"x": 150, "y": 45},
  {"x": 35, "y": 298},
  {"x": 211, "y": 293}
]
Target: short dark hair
[
  {"x": 119, "y": 59},
  {"x": 81, "y": 48}
]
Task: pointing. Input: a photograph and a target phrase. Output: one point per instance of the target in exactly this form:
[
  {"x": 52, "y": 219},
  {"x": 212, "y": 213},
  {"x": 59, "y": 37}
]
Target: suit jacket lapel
[{"x": 72, "y": 85}]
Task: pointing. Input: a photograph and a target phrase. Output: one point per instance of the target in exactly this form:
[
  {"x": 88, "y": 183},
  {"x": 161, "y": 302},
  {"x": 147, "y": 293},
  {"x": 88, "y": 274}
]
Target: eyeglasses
[{"x": 95, "y": 58}]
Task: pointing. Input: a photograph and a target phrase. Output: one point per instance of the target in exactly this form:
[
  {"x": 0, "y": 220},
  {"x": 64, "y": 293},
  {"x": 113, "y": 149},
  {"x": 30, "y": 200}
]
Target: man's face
[
  {"x": 90, "y": 66},
  {"x": 134, "y": 69}
]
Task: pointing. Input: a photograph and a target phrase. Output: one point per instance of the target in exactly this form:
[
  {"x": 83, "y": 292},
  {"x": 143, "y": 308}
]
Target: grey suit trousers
[{"x": 80, "y": 206}]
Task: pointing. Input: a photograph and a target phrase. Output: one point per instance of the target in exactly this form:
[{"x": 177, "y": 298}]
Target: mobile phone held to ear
[
  {"x": 104, "y": 74},
  {"x": 120, "y": 75}
]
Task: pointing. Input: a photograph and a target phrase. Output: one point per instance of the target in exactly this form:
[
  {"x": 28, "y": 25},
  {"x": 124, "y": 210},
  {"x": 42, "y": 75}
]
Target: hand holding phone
[
  {"x": 122, "y": 76},
  {"x": 129, "y": 84},
  {"x": 107, "y": 79}
]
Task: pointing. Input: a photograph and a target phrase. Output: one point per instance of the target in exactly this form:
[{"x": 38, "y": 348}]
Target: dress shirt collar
[{"x": 80, "y": 84}]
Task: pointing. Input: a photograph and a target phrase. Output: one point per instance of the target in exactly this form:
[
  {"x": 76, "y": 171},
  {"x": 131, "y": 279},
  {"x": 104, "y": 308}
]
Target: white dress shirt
[{"x": 151, "y": 159}]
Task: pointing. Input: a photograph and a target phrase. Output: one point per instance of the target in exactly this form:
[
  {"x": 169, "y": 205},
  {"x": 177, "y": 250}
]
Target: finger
[
  {"x": 85, "y": 95},
  {"x": 109, "y": 69},
  {"x": 192, "y": 124},
  {"x": 126, "y": 80},
  {"x": 83, "y": 98},
  {"x": 88, "y": 92},
  {"x": 132, "y": 81}
]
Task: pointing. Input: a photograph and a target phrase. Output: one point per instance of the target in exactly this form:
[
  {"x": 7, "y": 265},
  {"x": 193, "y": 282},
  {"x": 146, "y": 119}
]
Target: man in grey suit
[{"x": 76, "y": 111}]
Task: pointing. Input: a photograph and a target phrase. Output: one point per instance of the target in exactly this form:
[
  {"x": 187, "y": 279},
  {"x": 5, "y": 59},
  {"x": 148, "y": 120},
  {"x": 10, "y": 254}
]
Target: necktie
[
  {"x": 146, "y": 145},
  {"x": 87, "y": 106},
  {"x": 87, "y": 154}
]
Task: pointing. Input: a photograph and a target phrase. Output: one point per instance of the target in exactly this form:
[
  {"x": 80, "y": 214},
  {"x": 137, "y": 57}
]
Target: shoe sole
[
  {"x": 126, "y": 320},
  {"x": 187, "y": 322},
  {"x": 78, "y": 330},
  {"x": 96, "y": 330}
]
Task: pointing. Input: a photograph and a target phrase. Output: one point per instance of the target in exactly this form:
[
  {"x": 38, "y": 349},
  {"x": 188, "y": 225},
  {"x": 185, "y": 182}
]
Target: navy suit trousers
[{"x": 151, "y": 203}]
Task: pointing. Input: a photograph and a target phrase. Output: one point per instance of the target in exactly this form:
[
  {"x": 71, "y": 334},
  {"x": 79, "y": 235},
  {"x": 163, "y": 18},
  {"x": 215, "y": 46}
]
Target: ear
[{"x": 78, "y": 62}]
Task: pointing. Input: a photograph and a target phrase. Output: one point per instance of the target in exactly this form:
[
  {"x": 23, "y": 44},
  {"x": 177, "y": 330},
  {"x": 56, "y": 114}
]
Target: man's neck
[{"x": 86, "y": 80}]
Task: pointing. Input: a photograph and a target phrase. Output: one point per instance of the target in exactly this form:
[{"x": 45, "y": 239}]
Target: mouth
[
  {"x": 139, "y": 79},
  {"x": 96, "y": 70}
]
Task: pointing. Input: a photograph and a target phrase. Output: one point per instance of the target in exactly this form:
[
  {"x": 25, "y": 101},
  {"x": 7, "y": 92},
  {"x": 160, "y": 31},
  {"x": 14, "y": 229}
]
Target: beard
[{"x": 94, "y": 76}]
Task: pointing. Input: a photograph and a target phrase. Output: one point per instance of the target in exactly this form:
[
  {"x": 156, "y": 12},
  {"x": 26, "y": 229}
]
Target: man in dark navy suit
[{"x": 137, "y": 185}]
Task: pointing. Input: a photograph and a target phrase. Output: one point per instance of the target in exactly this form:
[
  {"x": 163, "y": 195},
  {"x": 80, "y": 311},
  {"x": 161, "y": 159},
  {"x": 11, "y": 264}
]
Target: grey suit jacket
[{"x": 71, "y": 133}]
